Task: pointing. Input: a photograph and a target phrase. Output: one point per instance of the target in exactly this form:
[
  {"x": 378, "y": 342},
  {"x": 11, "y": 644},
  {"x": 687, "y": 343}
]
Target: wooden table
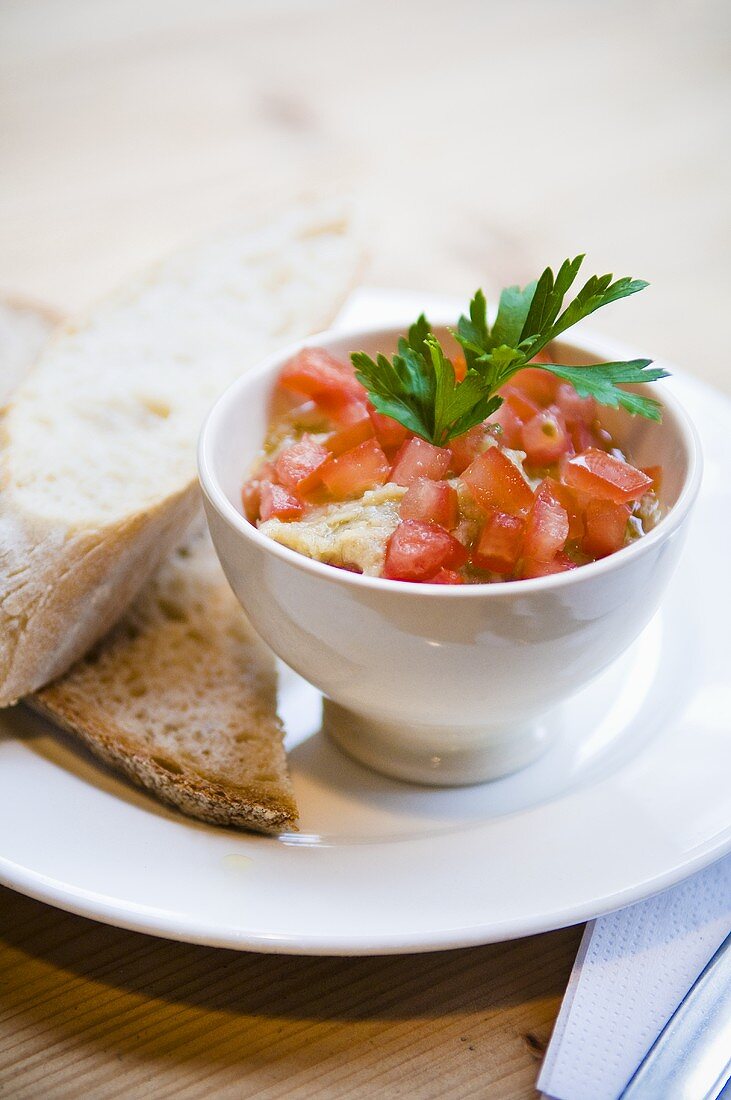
[{"x": 481, "y": 140}]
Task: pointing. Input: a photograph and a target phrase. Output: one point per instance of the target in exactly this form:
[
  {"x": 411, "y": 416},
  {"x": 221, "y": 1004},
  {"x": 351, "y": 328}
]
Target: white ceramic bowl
[{"x": 430, "y": 683}]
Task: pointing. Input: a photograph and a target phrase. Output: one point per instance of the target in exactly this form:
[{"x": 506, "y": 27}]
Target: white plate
[{"x": 634, "y": 796}]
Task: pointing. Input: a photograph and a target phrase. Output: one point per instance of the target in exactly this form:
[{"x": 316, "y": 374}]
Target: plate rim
[{"x": 151, "y": 921}]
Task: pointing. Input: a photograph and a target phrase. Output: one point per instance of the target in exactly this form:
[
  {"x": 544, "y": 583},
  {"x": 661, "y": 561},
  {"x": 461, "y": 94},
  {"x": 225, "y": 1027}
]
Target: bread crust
[
  {"x": 189, "y": 326},
  {"x": 163, "y": 642},
  {"x": 64, "y": 590},
  {"x": 181, "y": 698},
  {"x": 247, "y": 807}
]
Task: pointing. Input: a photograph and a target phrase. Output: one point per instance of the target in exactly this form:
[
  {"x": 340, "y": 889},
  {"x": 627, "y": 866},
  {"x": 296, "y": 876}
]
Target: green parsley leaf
[
  {"x": 418, "y": 387},
  {"x": 600, "y": 382},
  {"x": 512, "y": 313},
  {"x": 473, "y": 332}
]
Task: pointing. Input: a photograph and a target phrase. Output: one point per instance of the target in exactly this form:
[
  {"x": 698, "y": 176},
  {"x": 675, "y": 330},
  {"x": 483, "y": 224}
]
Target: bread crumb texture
[
  {"x": 109, "y": 418},
  {"x": 181, "y": 697},
  {"x": 97, "y": 447}
]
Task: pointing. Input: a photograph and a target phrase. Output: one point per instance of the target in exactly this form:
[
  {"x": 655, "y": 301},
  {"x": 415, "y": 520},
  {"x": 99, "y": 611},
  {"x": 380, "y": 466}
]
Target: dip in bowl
[{"x": 442, "y": 683}]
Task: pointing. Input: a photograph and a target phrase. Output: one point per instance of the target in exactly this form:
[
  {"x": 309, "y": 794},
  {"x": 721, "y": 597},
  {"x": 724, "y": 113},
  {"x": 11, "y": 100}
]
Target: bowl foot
[{"x": 436, "y": 756}]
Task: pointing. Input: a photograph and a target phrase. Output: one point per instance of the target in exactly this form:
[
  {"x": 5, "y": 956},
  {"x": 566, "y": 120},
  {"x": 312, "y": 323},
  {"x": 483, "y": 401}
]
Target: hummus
[{"x": 352, "y": 534}]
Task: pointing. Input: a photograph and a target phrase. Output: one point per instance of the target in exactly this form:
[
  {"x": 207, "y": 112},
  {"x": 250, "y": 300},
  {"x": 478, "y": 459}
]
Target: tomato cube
[
  {"x": 342, "y": 410},
  {"x": 576, "y": 410},
  {"x": 533, "y": 568},
  {"x": 353, "y": 472},
  {"x": 278, "y": 503},
  {"x": 582, "y": 436},
  {"x": 350, "y": 435},
  {"x": 313, "y": 371},
  {"x": 465, "y": 448},
  {"x": 606, "y": 527},
  {"x": 296, "y": 465},
  {"x": 389, "y": 432},
  {"x": 573, "y": 501},
  {"x": 416, "y": 551},
  {"x": 460, "y": 367},
  {"x": 251, "y": 491},
  {"x": 445, "y": 576},
  {"x": 500, "y": 544},
  {"x": 417, "y": 458},
  {"x": 510, "y": 425},
  {"x": 605, "y": 476},
  {"x": 547, "y": 526},
  {"x": 251, "y": 499},
  {"x": 495, "y": 482},
  {"x": 520, "y": 403},
  {"x": 545, "y": 438},
  {"x": 655, "y": 475},
  {"x": 431, "y": 502},
  {"x": 537, "y": 384}
]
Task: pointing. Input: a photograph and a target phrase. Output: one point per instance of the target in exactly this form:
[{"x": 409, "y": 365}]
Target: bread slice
[
  {"x": 24, "y": 329},
  {"x": 97, "y": 463},
  {"x": 181, "y": 698},
  {"x": 181, "y": 706}
]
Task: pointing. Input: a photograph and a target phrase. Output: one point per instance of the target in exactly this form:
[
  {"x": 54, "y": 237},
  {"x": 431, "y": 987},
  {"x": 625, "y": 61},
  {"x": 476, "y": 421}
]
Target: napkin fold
[{"x": 632, "y": 971}]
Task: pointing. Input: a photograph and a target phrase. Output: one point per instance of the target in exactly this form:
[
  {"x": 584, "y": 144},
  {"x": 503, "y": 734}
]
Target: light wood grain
[
  {"x": 481, "y": 140},
  {"x": 87, "y": 1010}
]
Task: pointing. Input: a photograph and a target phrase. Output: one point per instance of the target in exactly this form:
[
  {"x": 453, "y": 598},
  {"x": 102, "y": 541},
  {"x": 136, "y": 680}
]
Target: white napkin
[{"x": 632, "y": 971}]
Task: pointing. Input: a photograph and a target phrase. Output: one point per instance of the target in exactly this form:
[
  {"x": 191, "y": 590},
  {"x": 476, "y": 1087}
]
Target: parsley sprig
[{"x": 418, "y": 385}]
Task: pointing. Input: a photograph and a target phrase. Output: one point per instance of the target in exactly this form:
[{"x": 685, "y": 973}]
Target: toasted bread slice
[
  {"x": 181, "y": 697},
  {"x": 97, "y": 464}
]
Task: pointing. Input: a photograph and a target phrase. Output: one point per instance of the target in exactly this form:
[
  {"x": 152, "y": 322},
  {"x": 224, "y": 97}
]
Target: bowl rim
[{"x": 590, "y": 343}]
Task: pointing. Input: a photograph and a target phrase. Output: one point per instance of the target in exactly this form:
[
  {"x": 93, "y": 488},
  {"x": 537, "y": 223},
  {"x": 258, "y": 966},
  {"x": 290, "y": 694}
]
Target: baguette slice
[
  {"x": 181, "y": 698},
  {"x": 238, "y": 776},
  {"x": 97, "y": 464},
  {"x": 24, "y": 328}
]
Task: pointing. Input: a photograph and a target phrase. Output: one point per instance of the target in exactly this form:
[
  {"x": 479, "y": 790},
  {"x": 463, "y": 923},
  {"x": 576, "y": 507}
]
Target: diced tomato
[
  {"x": 576, "y": 410},
  {"x": 522, "y": 405},
  {"x": 296, "y": 465},
  {"x": 537, "y": 384},
  {"x": 460, "y": 367},
  {"x": 313, "y": 371},
  {"x": 604, "y": 476},
  {"x": 547, "y": 526},
  {"x": 533, "y": 568},
  {"x": 445, "y": 576},
  {"x": 417, "y": 458},
  {"x": 251, "y": 499},
  {"x": 416, "y": 551},
  {"x": 543, "y": 356},
  {"x": 582, "y": 436},
  {"x": 350, "y": 435},
  {"x": 500, "y": 544},
  {"x": 389, "y": 432},
  {"x": 351, "y": 473},
  {"x": 342, "y": 411},
  {"x": 465, "y": 448},
  {"x": 510, "y": 424},
  {"x": 431, "y": 502},
  {"x": 277, "y": 502},
  {"x": 251, "y": 491},
  {"x": 573, "y": 501},
  {"x": 606, "y": 527},
  {"x": 545, "y": 438},
  {"x": 655, "y": 474},
  {"x": 495, "y": 482}
]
